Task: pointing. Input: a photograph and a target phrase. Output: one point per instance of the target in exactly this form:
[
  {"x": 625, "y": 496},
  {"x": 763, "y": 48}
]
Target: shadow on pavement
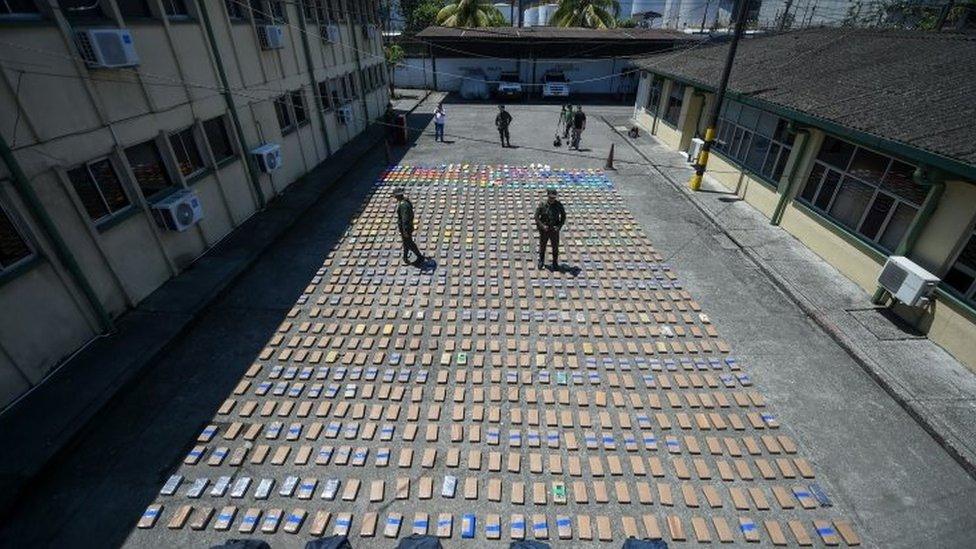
[{"x": 94, "y": 492}]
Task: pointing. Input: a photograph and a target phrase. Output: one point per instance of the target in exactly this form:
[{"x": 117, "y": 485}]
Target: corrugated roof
[{"x": 916, "y": 88}]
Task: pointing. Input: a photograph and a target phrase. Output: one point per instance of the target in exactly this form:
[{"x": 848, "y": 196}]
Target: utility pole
[
  {"x": 784, "y": 16},
  {"x": 740, "y": 25}
]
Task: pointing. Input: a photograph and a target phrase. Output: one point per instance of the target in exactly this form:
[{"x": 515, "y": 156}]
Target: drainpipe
[
  {"x": 311, "y": 78},
  {"x": 935, "y": 181},
  {"x": 229, "y": 99},
  {"x": 787, "y": 193},
  {"x": 26, "y": 193}
]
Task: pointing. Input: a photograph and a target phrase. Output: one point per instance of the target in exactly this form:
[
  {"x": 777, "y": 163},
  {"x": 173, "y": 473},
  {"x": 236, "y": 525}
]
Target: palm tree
[
  {"x": 469, "y": 13},
  {"x": 596, "y": 14}
]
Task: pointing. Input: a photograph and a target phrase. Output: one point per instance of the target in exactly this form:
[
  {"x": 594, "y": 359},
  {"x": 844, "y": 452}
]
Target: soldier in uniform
[
  {"x": 405, "y": 225},
  {"x": 502, "y": 121},
  {"x": 549, "y": 218}
]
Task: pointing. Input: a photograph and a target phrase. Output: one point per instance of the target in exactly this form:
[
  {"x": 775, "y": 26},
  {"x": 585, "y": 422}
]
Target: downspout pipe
[
  {"x": 787, "y": 193},
  {"x": 231, "y": 107},
  {"x": 311, "y": 78},
  {"x": 26, "y": 192},
  {"x": 935, "y": 181}
]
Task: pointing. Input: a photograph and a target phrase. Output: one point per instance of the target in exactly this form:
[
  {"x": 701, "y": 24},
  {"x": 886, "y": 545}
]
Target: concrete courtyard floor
[{"x": 881, "y": 469}]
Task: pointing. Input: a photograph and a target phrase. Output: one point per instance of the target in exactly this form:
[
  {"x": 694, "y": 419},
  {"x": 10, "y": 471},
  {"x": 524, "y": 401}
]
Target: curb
[
  {"x": 863, "y": 359},
  {"x": 75, "y": 427}
]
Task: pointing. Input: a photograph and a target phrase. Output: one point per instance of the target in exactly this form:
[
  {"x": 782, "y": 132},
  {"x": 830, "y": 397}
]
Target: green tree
[
  {"x": 470, "y": 13},
  {"x": 394, "y": 56},
  {"x": 423, "y": 15},
  {"x": 595, "y": 14},
  {"x": 628, "y": 23}
]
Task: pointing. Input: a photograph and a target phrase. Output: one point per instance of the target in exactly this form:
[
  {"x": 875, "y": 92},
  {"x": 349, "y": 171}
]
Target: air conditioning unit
[
  {"x": 330, "y": 33},
  {"x": 695, "y": 149},
  {"x": 107, "y": 48},
  {"x": 272, "y": 37},
  {"x": 344, "y": 115},
  {"x": 268, "y": 157},
  {"x": 907, "y": 282},
  {"x": 178, "y": 211}
]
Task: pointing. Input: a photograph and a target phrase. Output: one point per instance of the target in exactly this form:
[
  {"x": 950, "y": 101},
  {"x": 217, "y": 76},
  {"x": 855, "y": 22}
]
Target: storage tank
[
  {"x": 545, "y": 13},
  {"x": 506, "y": 9},
  {"x": 531, "y": 17}
]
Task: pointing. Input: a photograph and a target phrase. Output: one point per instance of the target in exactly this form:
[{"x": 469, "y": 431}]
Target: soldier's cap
[
  {"x": 550, "y": 192},
  {"x": 398, "y": 191}
]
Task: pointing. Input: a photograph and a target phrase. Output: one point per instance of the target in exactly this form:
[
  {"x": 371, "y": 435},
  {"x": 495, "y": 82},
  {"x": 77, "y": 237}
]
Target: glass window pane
[
  {"x": 850, "y": 203},
  {"x": 868, "y": 166},
  {"x": 767, "y": 124},
  {"x": 218, "y": 138},
  {"x": 827, "y": 189},
  {"x": 110, "y": 185},
  {"x": 87, "y": 193},
  {"x": 900, "y": 181},
  {"x": 13, "y": 246},
  {"x": 175, "y": 8},
  {"x": 835, "y": 152},
  {"x": 298, "y": 103},
  {"x": 877, "y": 213},
  {"x": 187, "y": 155},
  {"x": 784, "y": 157},
  {"x": 903, "y": 216},
  {"x": 961, "y": 276},
  {"x": 816, "y": 174},
  {"x": 748, "y": 117},
  {"x": 148, "y": 169},
  {"x": 734, "y": 108},
  {"x": 967, "y": 257},
  {"x": 958, "y": 280},
  {"x": 770, "y": 163},
  {"x": 131, "y": 8},
  {"x": 782, "y": 133},
  {"x": 757, "y": 152},
  {"x": 281, "y": 110}
]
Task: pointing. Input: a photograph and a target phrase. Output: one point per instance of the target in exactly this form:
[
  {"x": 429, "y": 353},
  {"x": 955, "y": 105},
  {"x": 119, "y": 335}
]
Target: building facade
[
  {"x": 854, "y": 141},
  {"x": 114, "y": 109}
]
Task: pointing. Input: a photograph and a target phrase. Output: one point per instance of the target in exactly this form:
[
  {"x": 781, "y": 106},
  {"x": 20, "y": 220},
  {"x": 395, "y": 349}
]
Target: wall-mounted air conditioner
[
  {"x": 695, "y": 149},
  {"x": 907, "y": 282},
  {"x": 107, "y": 48},
  {"x": 344, "y": 115},
  {"x": 268, "y": 157},
  {"x": 330, "y": 33},
  {"x": 178, "y": 211},
  {"x": 272, "y": 37}
]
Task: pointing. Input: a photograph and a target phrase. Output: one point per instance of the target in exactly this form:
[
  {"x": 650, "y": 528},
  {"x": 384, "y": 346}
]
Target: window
[
  {"x": 187, "y": 153},
  {"x": 219, "y": 139},
  {"x": 235, "y": 10},
  {"x": 353, "y": 92},
  {"x": 298, "y": 105},
  {"x": 284, "y": 116},
  {"x": 134, "y": 8},
  {"x": 99, "y": 189},
  {"x": 258, "y": 13},
  {"x": 337, "y": 11},
  {"x": 334, "y": 94},
  {"x": 754, "y": 139},
  {"x": 869, "y": 193},
  {"x": 311, "y": 8},
  {"x": 148, "y": 169},
  {"x": 343, "y": 81},
  {"x": 656, "y": 87},
  {"x": 323, "y": 94},
  {"x": 18, "y": 8},
  {"x": 175, "y": 8},
  {"x": 962, "y": 275},
  {"x": 14, "y": 248},
  {"x": 277, "y": 10},
  {"x": 81, "y": 10},
  {"x": 675, "y": 98}
]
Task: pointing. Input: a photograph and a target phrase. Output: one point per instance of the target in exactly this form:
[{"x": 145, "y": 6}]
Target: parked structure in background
[
  {"x": 856, "y": 141},
  {"x": 592, "y": 61},
  {"x": 137, "y": 134}
]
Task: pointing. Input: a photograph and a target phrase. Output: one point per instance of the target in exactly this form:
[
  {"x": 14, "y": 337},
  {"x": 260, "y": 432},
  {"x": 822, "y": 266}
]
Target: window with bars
[
  {"x": 99, "y": 189},
  {"x": 672, "y": 111},
  {"x": 298, "y": 107},
  {"x": 873, "y": 195},
  {"x": 961, "y": 276},
  {"x": 284, "y": 115},
  {"x": 175, "y": 8},
  {"x": 310, "y": 8},
  {"x": 655, "y": 88},
  {"x": 188, "y": 158},
  {"x": 15, "y": 249},
  {"x": 325, "y": 102},
  {"x": 219, "y": 139},
  {"x": 754, "y": 139},
  {"x": 236, "y": 10},
  {"x": 148, "y": 168},
  {"x": 278, "y": 11},
  {"x": 12, "y": 9}
]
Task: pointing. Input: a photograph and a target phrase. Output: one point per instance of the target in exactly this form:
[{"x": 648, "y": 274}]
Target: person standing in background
[{"x": 439, "y": 119}]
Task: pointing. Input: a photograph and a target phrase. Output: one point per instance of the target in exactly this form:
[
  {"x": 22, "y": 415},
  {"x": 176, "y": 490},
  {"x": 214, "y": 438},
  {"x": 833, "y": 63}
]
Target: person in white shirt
[{"x": 439, "y": 119}]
